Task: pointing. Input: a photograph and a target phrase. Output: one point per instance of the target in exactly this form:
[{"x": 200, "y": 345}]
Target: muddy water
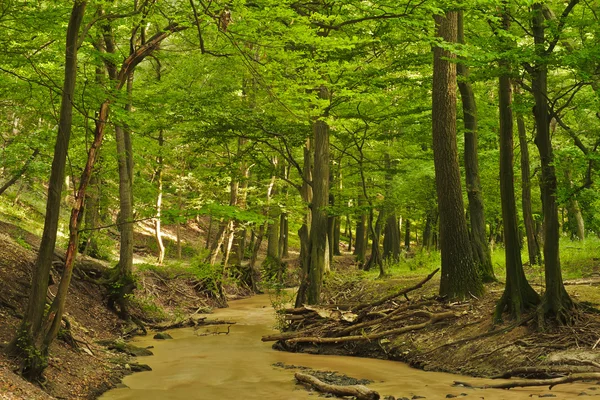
[{"x": 239, "y": 366}]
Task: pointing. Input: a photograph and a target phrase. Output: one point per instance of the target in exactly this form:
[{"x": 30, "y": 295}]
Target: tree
[
  {"x": 459, "y": 274},
  {"x": 481, "y": 250},
  {"x": 32, "y": 341},
  {"x": 518, "y": 295},
  {"x": 556, "y": 304}
]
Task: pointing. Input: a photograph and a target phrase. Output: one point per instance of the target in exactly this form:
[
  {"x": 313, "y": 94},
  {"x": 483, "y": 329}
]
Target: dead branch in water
[{"x": 359, "y": 391}]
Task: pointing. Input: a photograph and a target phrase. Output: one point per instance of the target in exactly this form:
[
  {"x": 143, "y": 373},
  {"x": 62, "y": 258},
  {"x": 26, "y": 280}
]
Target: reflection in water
[{"x": 239, "y": 366}]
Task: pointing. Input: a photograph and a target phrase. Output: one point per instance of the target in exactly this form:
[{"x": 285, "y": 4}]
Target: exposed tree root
[
  {"x": 536, "y": 382},
  {"x": 542, "y": 372},
  {"x": 360, "y": 392},
  {"x": 433, "y": 318}
]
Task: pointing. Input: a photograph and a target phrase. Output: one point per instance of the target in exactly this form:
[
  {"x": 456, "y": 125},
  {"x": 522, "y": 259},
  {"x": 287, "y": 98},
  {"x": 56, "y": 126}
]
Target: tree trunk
[
  {"x": 575, "y": 225},
  {"x": 284, "y": 236},
  {"x": 159, "y": 178},
  {"x": 481, "y": 250},
  {"x": 19, "y": 173},
  {"x": 376, "y": 258},
  {"x": 27, "y": 341},
  {"x": 391, "y": 238},
  {"x": 303, "y": 232},
  {"x": 460, "y": 278},
  {"x": 360, "y": 241},
  {"x": 89, "y": 245},
  {"x": 556, "y": 304},
  {"x": 518, "y": 295},
  {"x": 533, "y": 247},
  {"x": 407, "y": 235},
  {"x": 320, "y": 186}
]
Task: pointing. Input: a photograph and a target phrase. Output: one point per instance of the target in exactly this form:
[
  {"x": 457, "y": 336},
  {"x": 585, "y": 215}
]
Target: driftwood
[
  {"x": 374, "y": 336},
  {"x": 359, "y": 391},
  {"x": 536, "y": 382},
  {"x": 402, "y": 292}
]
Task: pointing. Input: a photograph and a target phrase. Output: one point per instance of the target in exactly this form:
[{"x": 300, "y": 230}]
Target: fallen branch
[
  {"x": 536, "y": 382},
  {"x": 359, "y": 391},
  {"x": 402, "y": 292},
  {"x": 433, "y": 318}
]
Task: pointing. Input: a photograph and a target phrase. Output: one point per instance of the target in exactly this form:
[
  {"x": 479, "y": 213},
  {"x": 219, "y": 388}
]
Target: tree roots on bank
[
  {"x": 353, "y": 323},
  {"x": 535, "y": 382}
]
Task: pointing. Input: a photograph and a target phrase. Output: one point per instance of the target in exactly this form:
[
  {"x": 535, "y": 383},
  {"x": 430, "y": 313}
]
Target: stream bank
[{"x": 239, "y": 365}]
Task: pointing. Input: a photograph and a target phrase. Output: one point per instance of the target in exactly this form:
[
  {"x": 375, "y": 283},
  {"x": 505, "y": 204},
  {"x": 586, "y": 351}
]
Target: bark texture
[
  {"x": 460, "y": 278},
  {"x": 481, "y": 250}
]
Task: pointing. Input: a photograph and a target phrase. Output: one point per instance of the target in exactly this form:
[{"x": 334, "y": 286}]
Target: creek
[{"x": 239, "y": 366}]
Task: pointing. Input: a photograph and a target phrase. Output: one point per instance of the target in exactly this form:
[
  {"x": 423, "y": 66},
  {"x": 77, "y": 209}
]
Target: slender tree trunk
[
  {"x": 460, "y": 278},
  {"x": 518, "y": 295},
  {"x": 481, "y": 250},
  {"x": 556, "y": 303},
  {"x": 20, "y": 172},
  {"x": 284, "y": 236},
  {"x": 360, "y": 241},
  {"x": 159, "y": 179},
  {"x": 28, "y": 340},
  {"x": 575, "y": 225},
  {"x": 303, "y": 232},
  {"x": 533, "y": 247},
  {"x": 407, "y": 235},
  {"x": 376, "y": 259},
  {"x": 349, "y": 229},
  {"x": 89, "y": 246}
]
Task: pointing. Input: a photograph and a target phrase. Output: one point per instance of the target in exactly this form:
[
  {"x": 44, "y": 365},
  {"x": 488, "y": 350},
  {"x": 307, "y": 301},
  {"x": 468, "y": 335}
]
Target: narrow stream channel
[{"x": 239, "y": 366}]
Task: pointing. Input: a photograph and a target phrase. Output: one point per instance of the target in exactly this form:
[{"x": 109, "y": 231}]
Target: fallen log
[
  {"x": 359, "y": 391},
  {"x": 402, "y": 292},
  {"x": 535, "y": 382},
  {"x": 374, "y": 336}
]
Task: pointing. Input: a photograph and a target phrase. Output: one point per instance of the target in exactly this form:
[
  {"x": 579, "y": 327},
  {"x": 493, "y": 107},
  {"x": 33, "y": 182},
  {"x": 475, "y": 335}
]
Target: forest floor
[
  {"x": 94, "y": 362},
  {"x": 461, "y": 340},
  {"x": 427, "y": 333}
]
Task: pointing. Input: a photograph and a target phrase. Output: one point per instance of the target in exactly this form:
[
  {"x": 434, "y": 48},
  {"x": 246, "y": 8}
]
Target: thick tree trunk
[
  {"x": 27, "y": 341},
  {"x": 533, "y": 247},
  {"x": 481, "y": 250},
  {"x": 556, "y": 304},
  {"x": 320, "y": 186},
  {"x": 518, "y": 295},
  {"x": 460, "y": 278}
]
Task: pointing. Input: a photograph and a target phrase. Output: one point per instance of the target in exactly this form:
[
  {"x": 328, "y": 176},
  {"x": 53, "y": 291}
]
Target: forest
[{"x": 407, "y": 180}]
